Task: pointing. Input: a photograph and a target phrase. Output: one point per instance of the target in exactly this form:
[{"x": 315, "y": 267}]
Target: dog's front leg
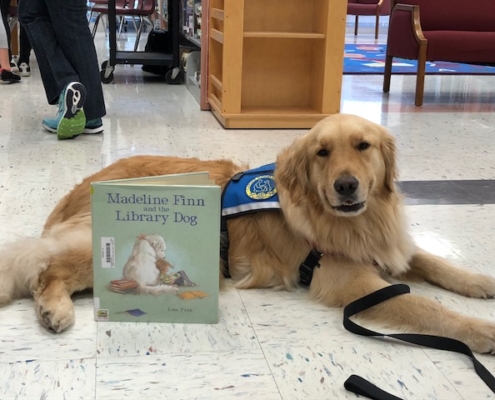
[
  {"x": 438, "y": 271},
  {"x": 339, "y": 282},
  {"x": 69, "y": 271}
]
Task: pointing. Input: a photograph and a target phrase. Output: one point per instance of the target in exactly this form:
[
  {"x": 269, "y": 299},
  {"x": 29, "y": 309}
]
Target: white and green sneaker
[
  {"x": 92, "y": 126},
  {"x": 70, "y": 120}
]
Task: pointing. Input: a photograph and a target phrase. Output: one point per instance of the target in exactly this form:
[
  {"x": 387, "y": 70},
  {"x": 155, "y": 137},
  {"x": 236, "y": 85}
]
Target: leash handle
[{"x": 361, "y": 386}]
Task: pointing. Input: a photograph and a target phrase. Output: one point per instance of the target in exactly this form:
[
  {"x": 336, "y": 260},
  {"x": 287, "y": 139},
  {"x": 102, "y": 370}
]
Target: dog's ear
[
  {"x": 292, "y": 170},
  {"x": 389, "y": 155}
]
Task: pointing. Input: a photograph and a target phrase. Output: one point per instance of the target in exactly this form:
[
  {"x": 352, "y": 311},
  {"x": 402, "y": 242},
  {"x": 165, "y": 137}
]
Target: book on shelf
[{"x": 156, "y": 244}]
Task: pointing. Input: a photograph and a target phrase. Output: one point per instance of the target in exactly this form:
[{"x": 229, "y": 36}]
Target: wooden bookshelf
[{"x": 275, "y": 63}]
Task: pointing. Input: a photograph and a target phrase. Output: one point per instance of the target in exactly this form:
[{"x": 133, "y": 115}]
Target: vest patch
[{"x": 250, "y": 191}]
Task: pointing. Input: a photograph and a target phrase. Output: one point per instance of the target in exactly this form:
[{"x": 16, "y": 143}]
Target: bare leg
[
  {"x": 4, "y": 59},
  {"x": 341, "y": 282}
]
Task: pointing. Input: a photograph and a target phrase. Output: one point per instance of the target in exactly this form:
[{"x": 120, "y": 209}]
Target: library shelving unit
[{"x": 275, "y": 63}]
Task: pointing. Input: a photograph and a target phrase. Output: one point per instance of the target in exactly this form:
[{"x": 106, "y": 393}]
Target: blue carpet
[{"x": 370, "y": 59}]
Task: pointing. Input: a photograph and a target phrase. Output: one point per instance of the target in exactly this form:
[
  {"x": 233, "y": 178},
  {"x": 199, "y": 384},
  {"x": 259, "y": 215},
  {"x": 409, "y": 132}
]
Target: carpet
[{"x": 370, "y": 59}]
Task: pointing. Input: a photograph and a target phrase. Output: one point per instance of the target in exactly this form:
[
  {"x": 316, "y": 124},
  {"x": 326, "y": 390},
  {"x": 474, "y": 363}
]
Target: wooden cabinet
[{"x": 275, "y": 63}]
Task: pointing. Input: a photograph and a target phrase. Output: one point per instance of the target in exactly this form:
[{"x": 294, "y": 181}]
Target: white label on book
[{"x": 108, "y": 252}]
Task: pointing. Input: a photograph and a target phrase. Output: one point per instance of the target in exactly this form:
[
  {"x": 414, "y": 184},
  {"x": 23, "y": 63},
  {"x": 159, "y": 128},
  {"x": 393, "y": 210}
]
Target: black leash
[{"x": 361, "y": 386}]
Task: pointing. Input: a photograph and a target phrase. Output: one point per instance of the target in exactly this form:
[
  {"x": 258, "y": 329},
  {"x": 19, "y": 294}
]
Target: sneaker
[
  {"x": 24, "y": 69},
  {"x": 9, "y": 77},
  {"x": 70, "y": 119},
  {"x": 13, "y": 66},
  {"x": 93, "y": 126}
]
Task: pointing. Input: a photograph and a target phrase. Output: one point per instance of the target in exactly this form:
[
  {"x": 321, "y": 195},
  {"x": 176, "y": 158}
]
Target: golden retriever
[{"x": 337, "y": 194}]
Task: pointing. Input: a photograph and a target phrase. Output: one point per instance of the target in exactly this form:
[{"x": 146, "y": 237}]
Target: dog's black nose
[{"x": 346, "y": 185}]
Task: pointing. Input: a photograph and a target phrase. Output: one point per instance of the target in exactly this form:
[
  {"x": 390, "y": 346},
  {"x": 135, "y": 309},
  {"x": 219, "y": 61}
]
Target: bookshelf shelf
[
  {"x": 216, "y": 82},
  {"x": 284, "y": 35},
  {"x": 216, "y": 35},
  {"x": 217, "y": 14},
  {"x": 291, "y": 78}
]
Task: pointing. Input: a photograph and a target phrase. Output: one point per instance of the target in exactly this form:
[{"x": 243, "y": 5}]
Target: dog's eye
[
  {"x": 363, "y": 146},
  {"x": 322, "y": 153}
]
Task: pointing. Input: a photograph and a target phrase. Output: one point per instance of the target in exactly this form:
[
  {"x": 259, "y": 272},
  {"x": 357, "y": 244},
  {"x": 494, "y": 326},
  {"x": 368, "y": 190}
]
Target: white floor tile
[
  {"x": 57, "y": 380},
  {"x": 460, "y": 372},
  {"x": 233, "y": 332},
  {"x": 23, "y": 338},
  {"x": 219, "y": 375},
  {"x": 319, "y": 372}
]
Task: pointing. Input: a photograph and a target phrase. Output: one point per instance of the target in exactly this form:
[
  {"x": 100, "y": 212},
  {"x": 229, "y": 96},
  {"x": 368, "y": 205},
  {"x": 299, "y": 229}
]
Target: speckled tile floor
[{"x": 268, "y": 345}]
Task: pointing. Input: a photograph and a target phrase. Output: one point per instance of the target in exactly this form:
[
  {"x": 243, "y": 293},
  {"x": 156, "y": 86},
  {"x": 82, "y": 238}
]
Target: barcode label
[{"x": 108, "y": 252}]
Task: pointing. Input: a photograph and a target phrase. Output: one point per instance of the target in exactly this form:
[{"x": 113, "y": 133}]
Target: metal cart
[{"x": 174, "y": 75}]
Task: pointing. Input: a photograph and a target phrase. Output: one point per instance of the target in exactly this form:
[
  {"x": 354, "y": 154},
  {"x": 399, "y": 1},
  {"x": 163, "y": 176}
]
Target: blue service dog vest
[
  {"x": 253, "y": 191},
  {"x": 250, "y": 191},
  {"x": 246, "y": 192}
]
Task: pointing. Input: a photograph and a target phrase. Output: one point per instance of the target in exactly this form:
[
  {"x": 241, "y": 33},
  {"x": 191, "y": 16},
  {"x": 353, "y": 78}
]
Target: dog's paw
[
  {"x": 480, "y": 337},
  {"x": 55, "y": 313},
  {"x": 478, "y": 286}
]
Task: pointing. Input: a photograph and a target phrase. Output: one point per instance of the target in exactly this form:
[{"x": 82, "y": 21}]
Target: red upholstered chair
[
  {"x": 439, "y": 30},
  {"x": 368, "y": 7},
  {"x": 100, "y": 7},
  {"x": 128, "y": 8}
]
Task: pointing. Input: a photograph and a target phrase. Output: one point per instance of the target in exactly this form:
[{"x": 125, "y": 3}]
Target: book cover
[{"x": 156, "y": 244}]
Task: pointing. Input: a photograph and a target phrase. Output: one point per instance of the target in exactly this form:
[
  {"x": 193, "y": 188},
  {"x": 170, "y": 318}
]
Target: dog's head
[
  {"x": 341, "y": 163},
  {"x": 158, "y": 244}
]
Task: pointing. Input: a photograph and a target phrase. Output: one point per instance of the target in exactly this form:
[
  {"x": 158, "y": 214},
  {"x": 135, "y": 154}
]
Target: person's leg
[
  {"x": 56, "y": 71},
  {"x": 70, "y": 23},
  {"x": 4, "y": 8},
  {"x": 4, "y": 57},
  {"x": 6, "y": 75},
  {"x": 24, "y": 52},
  {"x": 73, "y": 37},
  {"x": 59, "y": 34},
  {"x": 4, "y": 53},
  {"x": 24, "y": 45}
]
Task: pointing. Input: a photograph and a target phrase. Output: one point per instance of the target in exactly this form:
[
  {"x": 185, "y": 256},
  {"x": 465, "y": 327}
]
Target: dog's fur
[{"x": 337, "y": 192}]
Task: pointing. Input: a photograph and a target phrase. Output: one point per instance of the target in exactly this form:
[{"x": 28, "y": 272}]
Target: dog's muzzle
[{"x": 346, "y": 187}]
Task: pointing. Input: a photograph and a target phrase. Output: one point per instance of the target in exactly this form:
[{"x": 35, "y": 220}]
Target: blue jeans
[{"x": 59, "y": 33}]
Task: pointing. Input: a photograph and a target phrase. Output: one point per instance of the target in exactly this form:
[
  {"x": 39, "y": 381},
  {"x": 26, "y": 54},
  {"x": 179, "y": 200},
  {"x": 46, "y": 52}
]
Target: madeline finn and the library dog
[{"x": 337, "y": 194}]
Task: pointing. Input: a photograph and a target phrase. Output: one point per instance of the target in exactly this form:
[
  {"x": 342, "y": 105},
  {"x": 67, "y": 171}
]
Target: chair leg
[
  {"x": 377, "y": 25},
  {"x": 104, "y": 21},
  {"x": 420, "y": 77},
  {"x": 356, "y": 25},
  {"x": 95, "y": 26},
  {"x": 121, "y": 25},
  {"x": 388, "y": 73},
  {"x": 138, "y": 36},
  {"x": 134, "y": 23}
]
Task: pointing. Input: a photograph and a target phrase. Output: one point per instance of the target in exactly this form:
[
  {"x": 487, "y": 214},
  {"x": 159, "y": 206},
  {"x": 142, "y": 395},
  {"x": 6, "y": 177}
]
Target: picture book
[{"x": 156, "y": 244}]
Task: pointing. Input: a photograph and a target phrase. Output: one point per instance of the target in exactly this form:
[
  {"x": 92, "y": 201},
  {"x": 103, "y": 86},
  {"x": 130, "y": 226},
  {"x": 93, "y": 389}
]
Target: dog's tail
[
  {"x": 157, "y": 290},
  {"x": 21, "y": 263}
]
